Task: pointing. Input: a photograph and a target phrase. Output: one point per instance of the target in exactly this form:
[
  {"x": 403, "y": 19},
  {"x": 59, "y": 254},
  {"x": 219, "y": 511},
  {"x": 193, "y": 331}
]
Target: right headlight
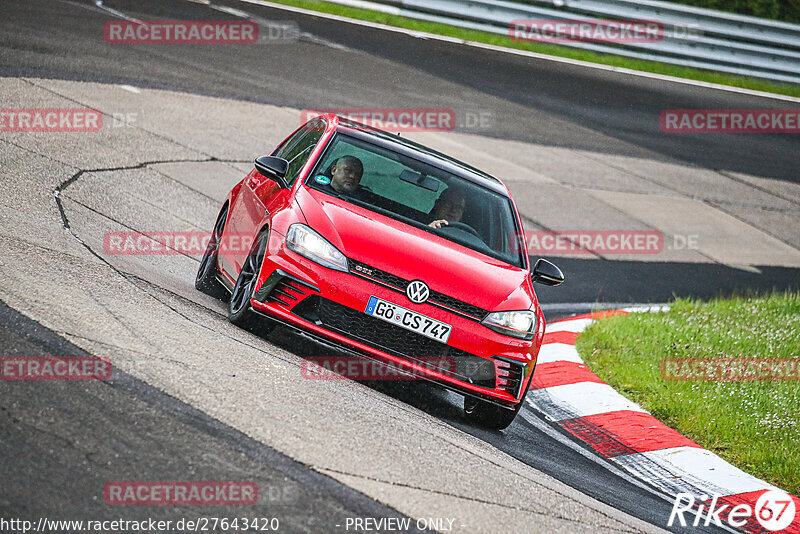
[
  {"x": 519, "y": 324},
  {"x": 306, "y": 242}
]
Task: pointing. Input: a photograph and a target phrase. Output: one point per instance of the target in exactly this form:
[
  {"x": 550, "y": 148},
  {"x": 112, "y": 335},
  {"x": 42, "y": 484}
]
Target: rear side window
[{"x": 298, "y": 148}]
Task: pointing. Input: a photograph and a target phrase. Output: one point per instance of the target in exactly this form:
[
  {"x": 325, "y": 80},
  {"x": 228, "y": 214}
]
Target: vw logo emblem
[{"x": 417, "y": 292}]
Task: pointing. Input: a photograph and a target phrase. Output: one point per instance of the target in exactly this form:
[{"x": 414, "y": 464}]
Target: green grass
[
  {"x": 754, "y": 425},
  {"x": 553, "y": 50}
]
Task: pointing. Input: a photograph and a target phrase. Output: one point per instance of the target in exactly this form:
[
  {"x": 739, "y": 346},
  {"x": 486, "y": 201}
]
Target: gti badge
[
  {"x": 364, "y": 270},
  {"x": 417, "y": 292}
]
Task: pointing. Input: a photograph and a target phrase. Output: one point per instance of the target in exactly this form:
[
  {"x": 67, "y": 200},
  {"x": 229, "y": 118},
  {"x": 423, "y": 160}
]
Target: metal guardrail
[{"x": 693, "y": 37}]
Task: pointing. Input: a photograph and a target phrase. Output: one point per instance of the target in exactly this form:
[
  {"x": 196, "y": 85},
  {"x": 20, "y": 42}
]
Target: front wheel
[
  {"x": 239, "y": 311},
  {"x": 206, "y": 279},
  {"x": 489, "y": 415}
]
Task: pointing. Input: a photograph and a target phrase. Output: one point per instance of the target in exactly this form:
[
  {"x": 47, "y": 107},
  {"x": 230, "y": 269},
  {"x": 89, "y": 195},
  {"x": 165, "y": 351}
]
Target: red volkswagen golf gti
[{"x": 387, "y": 250}]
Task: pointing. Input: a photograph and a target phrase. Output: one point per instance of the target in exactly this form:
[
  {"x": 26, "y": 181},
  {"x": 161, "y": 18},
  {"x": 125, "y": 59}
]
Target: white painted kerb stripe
[
  {"x": 701, "y": 464},
  {"x": 576, "y": 325},
  {"x": 558, "y": 352},
  {"x": 591, "y": 398}
]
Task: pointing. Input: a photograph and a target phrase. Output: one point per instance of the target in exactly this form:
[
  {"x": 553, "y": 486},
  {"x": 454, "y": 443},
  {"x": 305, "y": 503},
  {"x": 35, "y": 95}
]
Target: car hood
[{"x": 412, "y": 253}]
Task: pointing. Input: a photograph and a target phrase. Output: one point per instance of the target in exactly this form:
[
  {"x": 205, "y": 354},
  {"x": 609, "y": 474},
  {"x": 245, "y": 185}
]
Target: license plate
[{"x": 410, "y": 320}]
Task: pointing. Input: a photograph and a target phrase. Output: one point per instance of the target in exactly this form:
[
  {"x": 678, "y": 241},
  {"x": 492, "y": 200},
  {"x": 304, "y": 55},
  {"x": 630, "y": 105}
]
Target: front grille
[
  {"x": 397, "y": 341},
  {"x": 463, "y": 307},
  {"x": 509, "y": 376},
  {"x": 383, "y": 276},
  {"x": 401, "y": 283}
]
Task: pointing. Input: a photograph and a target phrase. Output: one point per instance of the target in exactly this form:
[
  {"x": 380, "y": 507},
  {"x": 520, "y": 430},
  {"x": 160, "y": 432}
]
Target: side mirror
[
  {"x": 273, "y": 168},
  {"x": 546, "y": 273}
]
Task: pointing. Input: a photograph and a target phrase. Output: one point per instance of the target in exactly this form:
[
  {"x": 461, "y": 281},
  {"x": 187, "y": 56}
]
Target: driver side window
[{"x": 298, "y": 148}]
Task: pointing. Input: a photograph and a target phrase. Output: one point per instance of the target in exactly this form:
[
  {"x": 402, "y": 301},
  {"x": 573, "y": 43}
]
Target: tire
[
  {"x": 206, "y": 279},
  {"x": 489, "y": 415},
  {"x": 239, "y": 311}
]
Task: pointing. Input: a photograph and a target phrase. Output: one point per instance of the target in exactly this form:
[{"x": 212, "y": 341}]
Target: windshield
[{"x": 420, "y": 195}]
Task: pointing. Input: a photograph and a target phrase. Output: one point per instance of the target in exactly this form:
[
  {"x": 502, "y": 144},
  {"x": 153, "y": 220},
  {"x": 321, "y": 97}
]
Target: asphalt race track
[
  {"x": 194, "y": 398},
  {"x": 142, "y": 419},
  {"x": 564, "y": 106}
]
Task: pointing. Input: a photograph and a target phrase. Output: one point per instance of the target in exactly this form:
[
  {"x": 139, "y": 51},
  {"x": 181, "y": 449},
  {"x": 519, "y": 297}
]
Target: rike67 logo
[{"x": 774, "y": 511}]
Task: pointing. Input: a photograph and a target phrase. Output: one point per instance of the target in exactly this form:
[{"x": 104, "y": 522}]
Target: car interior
[{"x": 407, "y": 190}]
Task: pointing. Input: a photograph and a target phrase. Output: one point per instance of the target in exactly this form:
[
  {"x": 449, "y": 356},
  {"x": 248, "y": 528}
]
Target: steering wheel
[{"x": 461, "y": 226}]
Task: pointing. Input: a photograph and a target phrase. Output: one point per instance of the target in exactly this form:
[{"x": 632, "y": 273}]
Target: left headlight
[
  {"x": 308, "y": 243},
  {"x": 520, "y": 324}
]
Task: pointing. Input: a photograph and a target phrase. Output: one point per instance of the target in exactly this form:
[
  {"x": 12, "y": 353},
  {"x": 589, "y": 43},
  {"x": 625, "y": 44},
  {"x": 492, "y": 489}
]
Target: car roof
[{"x": 420, "y": 152}]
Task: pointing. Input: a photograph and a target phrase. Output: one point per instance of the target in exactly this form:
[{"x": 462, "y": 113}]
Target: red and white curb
[{"x": 571, "y": 396}]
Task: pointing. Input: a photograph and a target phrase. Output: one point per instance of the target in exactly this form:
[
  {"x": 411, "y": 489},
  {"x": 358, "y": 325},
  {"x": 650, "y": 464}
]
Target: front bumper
[{"x": 329, "y": 305}]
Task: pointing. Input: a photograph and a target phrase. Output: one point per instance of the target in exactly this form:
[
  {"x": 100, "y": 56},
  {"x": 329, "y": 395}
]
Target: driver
[
  {"x": 345, "y": 179},
  {"x": 346, "y": 173},
  {"x": 449, "y": 207}
]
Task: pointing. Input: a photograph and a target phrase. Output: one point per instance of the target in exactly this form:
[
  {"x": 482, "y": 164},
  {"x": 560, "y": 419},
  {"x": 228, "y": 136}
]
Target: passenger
[{"x": 449, "y": 207}]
